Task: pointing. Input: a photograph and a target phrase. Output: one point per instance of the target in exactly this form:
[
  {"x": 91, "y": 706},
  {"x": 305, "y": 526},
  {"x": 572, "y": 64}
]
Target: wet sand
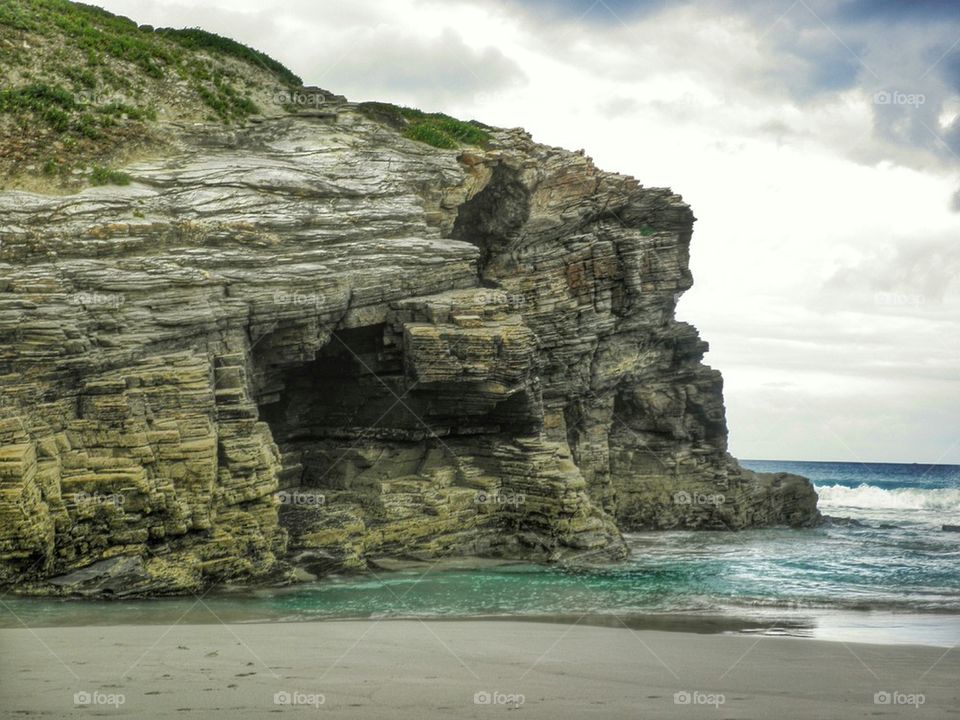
[{"x": 462, "y": 669}]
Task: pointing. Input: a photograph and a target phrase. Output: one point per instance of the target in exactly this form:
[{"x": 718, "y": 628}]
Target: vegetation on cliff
[
  {"x": 83, "y": 87},
  {"x": 436, "y": 129},
  {"x": 84, "y": 90}
]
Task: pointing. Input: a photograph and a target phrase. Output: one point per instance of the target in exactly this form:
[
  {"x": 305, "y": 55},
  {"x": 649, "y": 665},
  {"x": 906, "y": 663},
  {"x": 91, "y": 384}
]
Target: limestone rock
[{"x": 461, "y": 352}]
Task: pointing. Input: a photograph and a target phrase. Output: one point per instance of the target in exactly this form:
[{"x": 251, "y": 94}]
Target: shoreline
[
  {"x": 424, "y": 669},
  {"x": 926, "y": 629}
]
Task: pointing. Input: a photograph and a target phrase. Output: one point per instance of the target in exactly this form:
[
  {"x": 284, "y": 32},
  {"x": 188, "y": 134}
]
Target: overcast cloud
[{"x": 818, "y": 142}]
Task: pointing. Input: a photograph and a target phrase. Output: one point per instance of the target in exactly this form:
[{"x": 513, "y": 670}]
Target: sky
[{"x": 818, "y": 142}]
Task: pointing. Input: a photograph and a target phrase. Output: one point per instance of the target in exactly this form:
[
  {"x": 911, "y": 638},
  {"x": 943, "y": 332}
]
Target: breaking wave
[{"x": 873, "y": 497}]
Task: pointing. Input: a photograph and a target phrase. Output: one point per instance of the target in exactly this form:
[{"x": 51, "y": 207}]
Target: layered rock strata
[{"x": 310, "y": 339}]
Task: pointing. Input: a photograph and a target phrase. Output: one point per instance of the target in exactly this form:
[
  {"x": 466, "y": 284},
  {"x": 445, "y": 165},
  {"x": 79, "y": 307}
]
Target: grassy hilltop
[
  {"x": 81, "y": 88},
  {"x": 83, "y": 91}
]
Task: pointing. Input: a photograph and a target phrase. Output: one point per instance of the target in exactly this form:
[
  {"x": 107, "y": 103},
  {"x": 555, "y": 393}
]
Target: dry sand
[{"x": 423, "y": 670}]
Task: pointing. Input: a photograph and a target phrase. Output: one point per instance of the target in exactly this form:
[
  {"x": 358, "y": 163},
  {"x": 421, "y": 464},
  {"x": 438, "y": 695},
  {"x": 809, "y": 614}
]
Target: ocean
[{"x": 886, "y": 572}]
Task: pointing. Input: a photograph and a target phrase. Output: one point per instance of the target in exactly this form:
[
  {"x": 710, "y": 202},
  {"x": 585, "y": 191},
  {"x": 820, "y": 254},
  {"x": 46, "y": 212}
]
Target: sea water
[{"x": 886, "y": 572}]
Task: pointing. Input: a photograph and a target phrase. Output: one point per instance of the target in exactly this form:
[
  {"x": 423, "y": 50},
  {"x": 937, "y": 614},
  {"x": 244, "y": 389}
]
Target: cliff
[{"x": 312, "y": 340}]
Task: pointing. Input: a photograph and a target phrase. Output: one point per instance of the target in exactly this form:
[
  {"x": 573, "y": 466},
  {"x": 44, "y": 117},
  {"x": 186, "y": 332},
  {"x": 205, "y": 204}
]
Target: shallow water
[{"x": 895, "y": 579}]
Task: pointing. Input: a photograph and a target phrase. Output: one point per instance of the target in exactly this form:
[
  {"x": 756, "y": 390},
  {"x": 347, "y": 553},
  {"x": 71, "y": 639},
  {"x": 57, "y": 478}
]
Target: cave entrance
[
  {"x": 352, "y": 417},
  {"x": 386, "y": 454},
  {"x": 352, "y": 392},
  {"x": 493, "y": 217}
]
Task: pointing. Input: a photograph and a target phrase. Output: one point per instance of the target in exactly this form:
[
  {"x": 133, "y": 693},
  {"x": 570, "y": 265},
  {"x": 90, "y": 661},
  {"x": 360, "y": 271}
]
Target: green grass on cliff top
[
  {"x": 434, "y": 129},
  {"x": 77, "y": 82},
  {"x": 81, "y": 89}
]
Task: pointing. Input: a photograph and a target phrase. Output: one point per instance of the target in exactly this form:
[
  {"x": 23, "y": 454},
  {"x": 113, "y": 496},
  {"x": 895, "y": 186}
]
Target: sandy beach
[{"x": 413, "y": 669}]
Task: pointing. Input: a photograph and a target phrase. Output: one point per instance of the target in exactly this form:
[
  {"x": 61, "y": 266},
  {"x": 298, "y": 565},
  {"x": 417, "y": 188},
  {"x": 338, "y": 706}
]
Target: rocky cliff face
[{"x": 311, "y": 339}]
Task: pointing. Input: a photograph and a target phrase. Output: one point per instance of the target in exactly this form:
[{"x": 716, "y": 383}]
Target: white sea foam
[{"x": 873, "y": 497}]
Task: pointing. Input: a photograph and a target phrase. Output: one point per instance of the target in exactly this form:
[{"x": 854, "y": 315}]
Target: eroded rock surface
[{"x": 311, "y": 339}]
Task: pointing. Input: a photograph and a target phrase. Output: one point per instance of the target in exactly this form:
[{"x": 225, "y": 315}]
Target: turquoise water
[{"x": 895, "y": 576}]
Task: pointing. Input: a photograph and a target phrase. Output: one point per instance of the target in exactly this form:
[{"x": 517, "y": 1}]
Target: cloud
[
  {"x": 901, "y": 57},
  {"x": 919, "y": 275},
  {"x": 769, "y": 53},
  {"x": 864, "y": 424},
  {"x": 618, "y": 106},
  {"x": 913, "y": 10},
  {"x": 385, "y": 64},
  {"x": 810, "y": 61},
  {"x": 590, "y": 12}
]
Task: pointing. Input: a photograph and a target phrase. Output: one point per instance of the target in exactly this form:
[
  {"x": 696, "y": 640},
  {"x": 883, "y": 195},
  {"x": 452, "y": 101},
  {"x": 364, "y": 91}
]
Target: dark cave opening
[
  {"x": 348, "y": 392},
  {"x": 491, "y": 219},
  {"x": 355, "y": 406}
]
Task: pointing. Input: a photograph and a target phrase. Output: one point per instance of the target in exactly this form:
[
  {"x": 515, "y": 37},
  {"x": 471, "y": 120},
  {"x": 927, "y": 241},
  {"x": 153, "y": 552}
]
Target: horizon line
[{"x": 852, "y": 462}]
